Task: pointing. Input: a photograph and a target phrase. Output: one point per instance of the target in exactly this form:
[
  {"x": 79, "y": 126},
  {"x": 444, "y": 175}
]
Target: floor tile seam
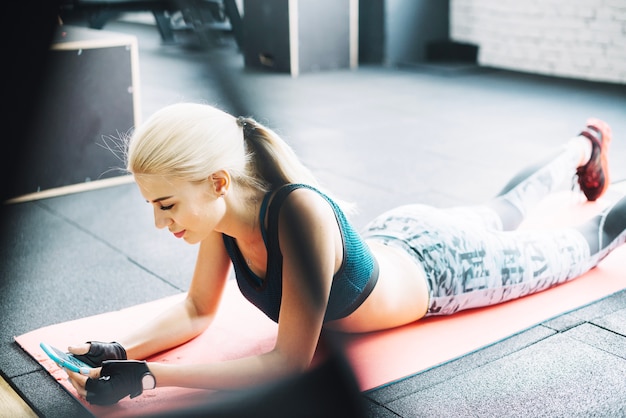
[
  {"x": 33, "y": 366},
  {"x": 17, "y": 389},
  {"x": 33, "y": 402},
  {"x": 108, "y": 244},
  {"x": 381, "y": 405},
  {"x": 560, "y": 329},
  {"x": 78, "y": 226},
  {"x": 596, "y": 347},
  {"x": 583, "y": 322},
  {"x": 38, "y": 369},
  {"x": 604, "y": 328},
  {"x": 155, "y": 275},
  {"x": 442, "y": 380},
  {"x": 464, "y": 370}
]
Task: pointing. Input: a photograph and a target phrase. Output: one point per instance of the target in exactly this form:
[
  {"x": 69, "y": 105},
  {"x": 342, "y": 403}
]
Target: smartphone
[{"x": 65, "y": 360}]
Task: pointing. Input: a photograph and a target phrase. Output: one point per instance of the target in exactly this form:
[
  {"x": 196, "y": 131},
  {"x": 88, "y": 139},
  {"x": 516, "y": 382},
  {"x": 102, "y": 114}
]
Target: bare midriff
[{"x": 399, "y": 297}]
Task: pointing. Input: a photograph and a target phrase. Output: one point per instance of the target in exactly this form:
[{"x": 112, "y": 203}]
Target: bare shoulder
[
  {"x": 306, "y": 205},
  {"x": 309, "y": 231}
]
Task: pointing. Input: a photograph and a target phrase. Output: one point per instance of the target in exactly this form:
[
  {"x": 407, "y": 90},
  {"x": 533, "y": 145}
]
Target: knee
[
  {"x": 509, "y": 214},
  {"x": 614, "y": 224}
]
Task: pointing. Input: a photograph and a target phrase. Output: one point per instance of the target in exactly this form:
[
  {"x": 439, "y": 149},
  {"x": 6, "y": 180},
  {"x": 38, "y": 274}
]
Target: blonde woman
[{"x": 233, "y": 186}]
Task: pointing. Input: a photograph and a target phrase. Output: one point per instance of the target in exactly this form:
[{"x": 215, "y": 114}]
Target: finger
[
  {"x": 94, "y": 373},
  {"x": 79, "y": 389},
  {"x": 79, "y": 349},
  {"x": 78, "y": 381},
  {"x": 76, "y": 376}
]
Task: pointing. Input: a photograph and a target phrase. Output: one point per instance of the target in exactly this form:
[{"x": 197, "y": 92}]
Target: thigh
[
  {"x": 471, "y": 268},
  {"x": 469, "y": 264}
]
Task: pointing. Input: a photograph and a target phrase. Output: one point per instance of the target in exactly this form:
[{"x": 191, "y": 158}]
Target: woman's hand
[
  {"x": 94, "y": 353},
  {"x": 80, "y": 380},
  {"x": 112, "y": 382}
]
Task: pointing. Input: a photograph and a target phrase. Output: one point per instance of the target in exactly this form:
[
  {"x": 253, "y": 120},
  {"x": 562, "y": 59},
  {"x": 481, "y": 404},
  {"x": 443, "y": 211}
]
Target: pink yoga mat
[{"x": 376, "y": 358}]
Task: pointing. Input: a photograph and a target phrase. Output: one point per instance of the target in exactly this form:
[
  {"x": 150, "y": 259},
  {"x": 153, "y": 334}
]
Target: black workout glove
[
  {"x": 118, "y": 379},
  {"x": 99, "y": 352}
]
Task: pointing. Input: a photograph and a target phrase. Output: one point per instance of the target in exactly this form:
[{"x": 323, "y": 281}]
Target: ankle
[{"x": 584, "y": 147}]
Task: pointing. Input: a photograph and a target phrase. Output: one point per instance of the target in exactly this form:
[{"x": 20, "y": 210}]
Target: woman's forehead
[
  {"x": 157, "y": 187},
  {"x": 154, "y": 187}
]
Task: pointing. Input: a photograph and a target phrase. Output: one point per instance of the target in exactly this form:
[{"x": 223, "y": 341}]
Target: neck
[{"x": 242, "y": 215}]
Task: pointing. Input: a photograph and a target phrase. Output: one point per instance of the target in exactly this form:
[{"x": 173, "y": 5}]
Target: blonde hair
[{"x": 191, "y": 141}]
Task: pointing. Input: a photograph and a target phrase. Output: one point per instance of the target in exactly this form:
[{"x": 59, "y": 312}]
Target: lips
[{"x": 180, "y": 234}]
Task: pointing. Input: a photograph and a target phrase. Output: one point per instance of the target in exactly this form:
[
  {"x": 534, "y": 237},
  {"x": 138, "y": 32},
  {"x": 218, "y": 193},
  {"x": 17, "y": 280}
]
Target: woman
[{"x": 233, "y": 186}]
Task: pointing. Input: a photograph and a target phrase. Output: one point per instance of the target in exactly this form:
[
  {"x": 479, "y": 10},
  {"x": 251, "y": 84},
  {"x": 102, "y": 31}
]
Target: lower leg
[
  {"x": 538, "y": 180},
  {"x": 606, "y": 231}
]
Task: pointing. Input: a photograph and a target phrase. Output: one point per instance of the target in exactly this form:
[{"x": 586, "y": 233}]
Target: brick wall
[{"x": 583, "y": 39}]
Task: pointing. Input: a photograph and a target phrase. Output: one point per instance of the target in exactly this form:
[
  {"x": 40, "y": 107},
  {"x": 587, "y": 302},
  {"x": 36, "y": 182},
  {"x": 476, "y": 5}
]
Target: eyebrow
[{"x": 160, "y": 199}]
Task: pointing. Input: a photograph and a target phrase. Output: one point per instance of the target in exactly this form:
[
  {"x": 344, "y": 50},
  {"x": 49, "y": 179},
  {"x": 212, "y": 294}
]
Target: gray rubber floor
[{"x": 379, "y": 136}]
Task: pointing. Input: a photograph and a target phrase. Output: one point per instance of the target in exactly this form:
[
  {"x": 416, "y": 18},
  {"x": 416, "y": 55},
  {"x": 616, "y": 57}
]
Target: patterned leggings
[{"x": 471, "y": 261}]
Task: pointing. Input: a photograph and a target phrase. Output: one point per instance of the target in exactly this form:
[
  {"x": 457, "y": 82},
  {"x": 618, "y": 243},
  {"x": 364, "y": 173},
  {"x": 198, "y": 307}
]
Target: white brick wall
[{"x": 584, "y": 39}]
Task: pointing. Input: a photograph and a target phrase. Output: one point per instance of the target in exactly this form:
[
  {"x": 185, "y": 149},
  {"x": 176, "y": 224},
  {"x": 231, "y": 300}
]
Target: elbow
[
  {"x": 295, "y": 364},
  {"x": 295, "y": 368},
  {"x": 201, "y": 323},
  {"x": 199, "y": 319}
]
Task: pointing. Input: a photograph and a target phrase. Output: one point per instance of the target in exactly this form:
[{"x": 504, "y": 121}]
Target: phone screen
[{"x": 65, "y": 360}]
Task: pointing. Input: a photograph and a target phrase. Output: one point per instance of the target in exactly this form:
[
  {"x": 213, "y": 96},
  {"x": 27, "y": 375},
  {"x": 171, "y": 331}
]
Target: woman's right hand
[
  {"x": 113, "y": 381},
  {"x": 94, "y": 353}
]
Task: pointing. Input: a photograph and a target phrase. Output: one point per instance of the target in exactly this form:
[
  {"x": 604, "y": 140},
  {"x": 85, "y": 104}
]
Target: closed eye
[{"x": 166, "y": 207}]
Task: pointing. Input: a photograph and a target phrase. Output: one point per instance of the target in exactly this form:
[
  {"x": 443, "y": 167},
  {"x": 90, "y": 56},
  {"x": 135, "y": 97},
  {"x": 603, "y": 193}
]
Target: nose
[{"x": 161, "y": 219}]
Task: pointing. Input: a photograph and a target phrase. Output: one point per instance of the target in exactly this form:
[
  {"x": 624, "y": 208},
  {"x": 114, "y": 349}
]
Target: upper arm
[
  {"x": 310, "y": 242},
  {"x": 210, "y": 276}
]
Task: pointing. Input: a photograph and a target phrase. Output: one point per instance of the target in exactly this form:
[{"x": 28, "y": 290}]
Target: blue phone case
[{"x": 65, "y": 360}]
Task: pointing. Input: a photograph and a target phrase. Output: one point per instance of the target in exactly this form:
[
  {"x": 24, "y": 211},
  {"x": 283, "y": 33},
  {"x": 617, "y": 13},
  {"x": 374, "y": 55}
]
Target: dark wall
[{"x": 27, "y": 30}]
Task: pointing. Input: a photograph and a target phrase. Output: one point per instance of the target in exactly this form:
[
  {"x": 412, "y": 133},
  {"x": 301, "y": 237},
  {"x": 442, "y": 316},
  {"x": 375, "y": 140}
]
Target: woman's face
[{"x": 189, "y": 210}]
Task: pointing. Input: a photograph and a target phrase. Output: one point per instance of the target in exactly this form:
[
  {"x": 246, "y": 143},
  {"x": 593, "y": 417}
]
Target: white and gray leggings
[{"x": 474, "y": 256}]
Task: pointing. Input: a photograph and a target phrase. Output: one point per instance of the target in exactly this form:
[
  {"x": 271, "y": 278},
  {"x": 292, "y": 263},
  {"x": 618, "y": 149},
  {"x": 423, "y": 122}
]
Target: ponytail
[{"x": 273, "y": 160}]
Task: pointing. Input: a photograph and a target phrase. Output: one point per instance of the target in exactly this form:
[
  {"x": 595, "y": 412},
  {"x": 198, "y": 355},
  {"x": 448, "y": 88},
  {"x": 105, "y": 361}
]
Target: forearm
[
  {"x": 175, "y": 326},
  {"x": 226, "y": 375}
]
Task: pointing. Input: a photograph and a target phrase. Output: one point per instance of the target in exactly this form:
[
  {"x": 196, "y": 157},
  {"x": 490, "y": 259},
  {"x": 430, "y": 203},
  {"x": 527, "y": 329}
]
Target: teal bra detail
[{"x": 351, "y": 285}]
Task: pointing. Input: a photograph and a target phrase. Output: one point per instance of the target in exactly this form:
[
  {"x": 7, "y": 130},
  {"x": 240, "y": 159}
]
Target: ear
[{"x": 220, "y": 181}]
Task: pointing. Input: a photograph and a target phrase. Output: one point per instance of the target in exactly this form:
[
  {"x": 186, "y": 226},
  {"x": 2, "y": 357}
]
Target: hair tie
[
  {"x": 241, "y": 121},
  {"x": 246, "y": 124}
]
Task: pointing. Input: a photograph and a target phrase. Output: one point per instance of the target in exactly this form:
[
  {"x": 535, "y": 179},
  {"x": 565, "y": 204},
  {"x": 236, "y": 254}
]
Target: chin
[{"x": 192, "y": 239}]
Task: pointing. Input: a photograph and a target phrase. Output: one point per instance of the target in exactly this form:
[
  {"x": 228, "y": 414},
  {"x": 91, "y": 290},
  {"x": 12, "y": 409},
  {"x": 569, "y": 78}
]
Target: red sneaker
[{"x": 593, "y": 177}]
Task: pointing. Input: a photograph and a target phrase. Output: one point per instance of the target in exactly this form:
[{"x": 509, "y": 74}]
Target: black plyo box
[{"x": 90, "y": 94}]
